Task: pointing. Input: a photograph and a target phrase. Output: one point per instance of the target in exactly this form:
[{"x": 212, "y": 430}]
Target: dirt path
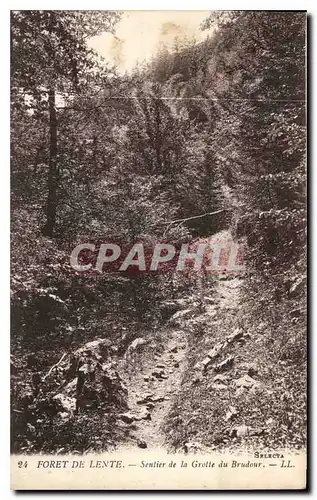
[
  {"x": 155, "y": 379},
  {"x": 152, "y": 390}
]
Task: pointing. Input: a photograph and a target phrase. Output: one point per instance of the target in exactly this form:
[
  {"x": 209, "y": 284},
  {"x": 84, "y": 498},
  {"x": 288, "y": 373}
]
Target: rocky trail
[
  {"x": 154, "y": 384},
  {"x": 151, "y": 391}
]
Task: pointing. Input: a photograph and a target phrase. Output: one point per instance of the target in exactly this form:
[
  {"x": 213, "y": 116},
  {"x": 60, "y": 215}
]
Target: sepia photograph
[{"x": 158, "y": 249}]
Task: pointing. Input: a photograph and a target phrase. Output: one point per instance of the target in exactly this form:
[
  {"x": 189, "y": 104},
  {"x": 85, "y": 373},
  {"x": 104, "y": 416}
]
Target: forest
[{"x": 205, "y": 138}]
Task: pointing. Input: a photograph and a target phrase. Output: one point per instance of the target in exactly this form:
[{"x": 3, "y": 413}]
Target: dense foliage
[{"x": 100, "y": 156}]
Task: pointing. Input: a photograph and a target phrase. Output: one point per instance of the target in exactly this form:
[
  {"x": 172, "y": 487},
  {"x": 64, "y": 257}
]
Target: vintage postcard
[{"x": 158, "y": 250}]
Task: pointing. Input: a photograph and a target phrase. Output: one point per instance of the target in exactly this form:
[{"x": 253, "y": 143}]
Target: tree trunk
[{"x": 51, "y": 207}]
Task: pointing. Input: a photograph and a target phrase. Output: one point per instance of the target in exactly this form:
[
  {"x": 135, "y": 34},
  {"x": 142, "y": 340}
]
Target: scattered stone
[
  {"x": 141, "y": 443},
  {"x": 145, "y": 399},
  {"x": 128, "y": 418},
  {"x": 206, "y": 363},
  {"x": 158, "y": 373},
  {"x": 246, "y": 382},
  {"x": 251, "y": 369},
  {"x": 160, "y": 366},
  {"x": 237, "y": 334},
  {"x": 241, "y": 431},
  {"x": 224, "y": 365},
  {"x": 232, "y": 413},
  {"x": 212, "y": 314},
  {"x": 295, "y": 313},
  {"x": 245, "y": 430},
  {"x": 179, "y": 316},
  {"x": 209, "y": 300},
  {"x": 295, "y": 287},
  {"x": 217, "y": 387},
  {"x": 192, "y": 447},
  {"x": 221, "y": 378},
  {"x": 215, "y": 351},
  {"x": 144, "y": 415},
  {"x": 65, "y": 402},
  {"x": 157, "y": 399}
]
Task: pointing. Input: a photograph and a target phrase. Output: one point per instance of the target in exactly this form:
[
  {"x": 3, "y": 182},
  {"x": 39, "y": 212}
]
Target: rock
[
  {"x": 13, "y": 367},
  {"x": 192, "y": 447},
  {"x": 224, "y": 365},
  {"x": 31, "y": 428},
  {"x": 220, "y": 378},
  {"x": 176, "y": 364},
  {"x": 141, "y": 444},
  {"x": 71, "y": 386},
  {"x": 145, "y": 399},
  {"x": 237, "y": 334},
  {"x": 215, "y": 351},
  {"x": 242, "y": 431},
  {"x": 157, "y": 399},
  {"x": 67, "y": 403},
  {"x": 295, "y": 313},
  {"x": 232, "y": 413},
  {"x": 295, "y": 287},
  {"x": 245, "y": 382},
  {"x": 205, "y": 364},
  {"x": 144, "y": 414},
  {"x": 174, "y": 349},
  {"x": 146, "y": 378},
  {"x": 150, "y": 406},
  {"x": 164, "y": 376},
  {"x": 209, "y": 300},
  {"x": 161, "y": 366},
  {"x": 217, "y": 387},
  {"x": 137, "y": 342},
  {"x": 128, "y": 418},
  {"x": 184, "y": 314},
  {"x": 245, "y": 430},
  {"x": 251, "y": 369},
  {"x": 158, "y": 373},
  {"x": 98, "y": 347}
]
